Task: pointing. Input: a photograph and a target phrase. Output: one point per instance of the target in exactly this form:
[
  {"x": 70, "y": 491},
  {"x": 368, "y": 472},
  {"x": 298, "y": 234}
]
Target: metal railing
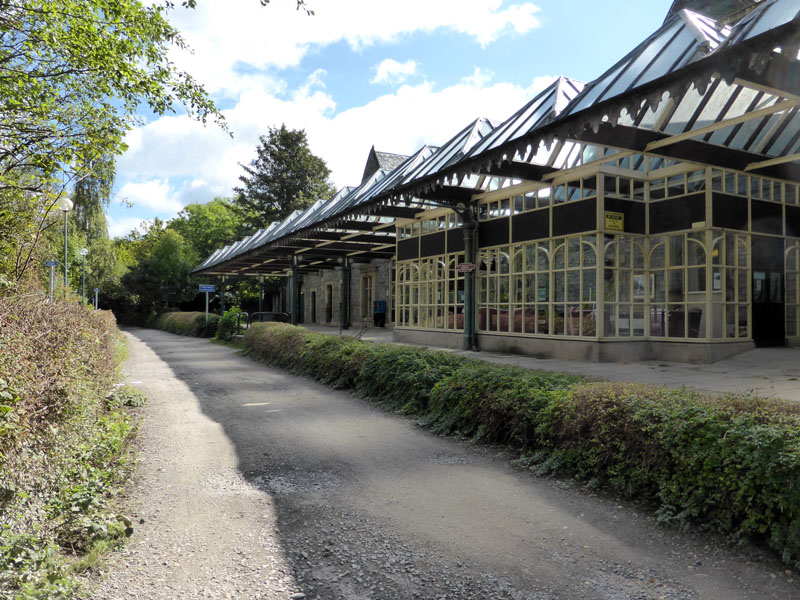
[{"x": 263, "y": 317}]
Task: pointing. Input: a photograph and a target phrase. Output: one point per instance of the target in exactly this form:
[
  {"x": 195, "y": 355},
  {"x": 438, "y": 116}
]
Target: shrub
[
  {"x": 402, "y": 377},
  {"x": 228, "y": 324},
  {"x": 730, "y": 464},
  {"x": 187, "y": 323},
  {"x": 495, "y": 403},
  {"x": 62, "y": 451}
]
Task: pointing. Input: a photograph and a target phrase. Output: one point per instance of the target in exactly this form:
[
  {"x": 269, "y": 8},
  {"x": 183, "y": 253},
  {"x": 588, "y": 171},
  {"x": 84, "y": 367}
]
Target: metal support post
[
  {"x": 83, "y": 281},
  {"x": 469, "y": 228},
  {"x": 222, "y": 297},
  {"x": 293, "y": 291},
  {"x": 260, "y": 294},
  {"x": 65, "y": 251},
  {"x": 344, "y": 316}
]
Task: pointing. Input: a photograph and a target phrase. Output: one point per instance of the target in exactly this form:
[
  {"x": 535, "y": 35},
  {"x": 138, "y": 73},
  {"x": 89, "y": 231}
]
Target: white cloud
[
  {"x": 120, "y": 227},
  {"x": 479, "y": 78},
  {"x": 393, "y": 72},
  {"x": 173, "y": 161},
  {"x": 156, "y": 195},
  {"x": 234, "y": 48},
  {"x": 399, "y": 122}
]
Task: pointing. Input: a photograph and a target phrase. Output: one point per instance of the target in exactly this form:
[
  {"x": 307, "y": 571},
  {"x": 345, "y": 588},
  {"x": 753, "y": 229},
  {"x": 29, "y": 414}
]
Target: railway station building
[{"x": 653, "y": 213}]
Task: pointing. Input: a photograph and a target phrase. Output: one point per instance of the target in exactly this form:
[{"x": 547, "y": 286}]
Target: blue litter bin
[{"x": 379, "y": 313}]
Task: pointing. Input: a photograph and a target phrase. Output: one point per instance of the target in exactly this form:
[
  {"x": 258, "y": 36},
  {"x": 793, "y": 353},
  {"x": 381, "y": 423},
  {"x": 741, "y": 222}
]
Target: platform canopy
[{"x": 692, "y": 91}]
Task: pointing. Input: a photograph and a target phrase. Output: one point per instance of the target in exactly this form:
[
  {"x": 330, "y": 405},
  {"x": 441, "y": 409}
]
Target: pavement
[{"x": 764, "y": 372}]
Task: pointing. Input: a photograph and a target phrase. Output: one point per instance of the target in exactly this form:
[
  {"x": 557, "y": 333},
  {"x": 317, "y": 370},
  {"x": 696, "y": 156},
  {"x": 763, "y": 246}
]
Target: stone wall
[{"x": 315, "y": 286}]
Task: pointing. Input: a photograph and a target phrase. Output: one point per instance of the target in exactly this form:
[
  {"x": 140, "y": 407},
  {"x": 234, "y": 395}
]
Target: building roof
[
  {"x": 381, "y": 160},
  {"x": 691, "y": 91},
  {"x": 722, "y": 11}
]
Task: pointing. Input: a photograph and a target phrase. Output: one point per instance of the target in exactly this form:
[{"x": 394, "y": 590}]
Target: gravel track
[{"x": 257, "y": 484}]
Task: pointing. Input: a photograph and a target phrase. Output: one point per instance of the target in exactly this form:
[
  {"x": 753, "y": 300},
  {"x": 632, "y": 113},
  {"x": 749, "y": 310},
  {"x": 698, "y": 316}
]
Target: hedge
[
  {"x": 728, "y": 464},
  {"x": 63, "y": 443},
  {"x": 187, "y": 323}
]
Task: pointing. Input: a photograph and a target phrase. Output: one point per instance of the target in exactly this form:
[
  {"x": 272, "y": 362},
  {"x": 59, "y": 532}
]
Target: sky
[{"x": 393, "y": 74}]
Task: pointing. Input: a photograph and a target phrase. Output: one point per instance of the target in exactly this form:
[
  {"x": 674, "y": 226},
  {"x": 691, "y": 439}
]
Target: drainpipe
[
  {"x": 293, "y": 290},
  {"x": 470, "y": 229},
  {"x": 344, "y": 316}
]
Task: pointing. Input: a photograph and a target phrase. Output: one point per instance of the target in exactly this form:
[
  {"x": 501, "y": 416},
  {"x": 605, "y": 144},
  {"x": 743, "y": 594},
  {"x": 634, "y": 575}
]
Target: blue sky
[{"x": 359, "y": 72}]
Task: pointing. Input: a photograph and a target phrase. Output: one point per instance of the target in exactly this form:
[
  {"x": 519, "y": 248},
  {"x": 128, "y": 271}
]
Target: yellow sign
[{"x": 615, "y": 221}]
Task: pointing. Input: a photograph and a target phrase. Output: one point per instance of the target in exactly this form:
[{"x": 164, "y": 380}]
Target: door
[
  {"x": 768, "y": 297},
  {"x": 329, "y": 304},
  {"x": 313, "y": 307},
  {"x": 301, "y": 307}
]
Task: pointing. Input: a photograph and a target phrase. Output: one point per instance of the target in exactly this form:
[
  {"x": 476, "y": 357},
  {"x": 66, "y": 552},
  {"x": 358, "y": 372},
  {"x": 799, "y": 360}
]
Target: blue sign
[
  {"x": 51, "y": 263},
  {"x": 208, "y": 288},
  {"x": 96, "y": 290}
]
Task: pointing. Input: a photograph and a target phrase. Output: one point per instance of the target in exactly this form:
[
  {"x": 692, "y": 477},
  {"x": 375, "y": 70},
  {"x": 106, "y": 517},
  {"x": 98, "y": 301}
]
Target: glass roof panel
[
  {"x": 781, "y": 145},
  {"x": 677, "y": 42},
  {"x": 770, "y": 16},
  {"x": 593, "y": 90},
  {"x": 678, "y": 53},
  {"x": 667, "y": 48},
  {"x": 767, "y": 131},
  {"x": 543, "y": 107},
  {"x": 683, "y": 113}
]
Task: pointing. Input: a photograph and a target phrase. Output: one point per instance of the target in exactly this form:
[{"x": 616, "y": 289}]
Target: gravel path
[{"x": 257, "y": 484}]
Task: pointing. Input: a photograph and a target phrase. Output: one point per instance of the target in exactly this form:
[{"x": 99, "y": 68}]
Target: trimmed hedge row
[
  {"x": 729, "y": 464},
  {"x": 187, "y": 323},
  {"x": 63, "y": 446}
]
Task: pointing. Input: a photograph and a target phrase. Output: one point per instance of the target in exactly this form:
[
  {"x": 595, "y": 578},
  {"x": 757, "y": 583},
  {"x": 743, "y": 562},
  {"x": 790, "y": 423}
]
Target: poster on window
[{"x": 638, "y": 287}]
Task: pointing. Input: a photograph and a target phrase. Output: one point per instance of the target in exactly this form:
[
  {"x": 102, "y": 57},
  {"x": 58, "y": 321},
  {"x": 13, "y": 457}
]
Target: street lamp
[
  {"x": 65, "y": 205},
  {"x": 84, "y": 252}
]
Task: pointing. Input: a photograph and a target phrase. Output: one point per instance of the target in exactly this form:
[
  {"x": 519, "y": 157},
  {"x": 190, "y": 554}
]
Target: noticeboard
[{"x": 615, "y": 221}]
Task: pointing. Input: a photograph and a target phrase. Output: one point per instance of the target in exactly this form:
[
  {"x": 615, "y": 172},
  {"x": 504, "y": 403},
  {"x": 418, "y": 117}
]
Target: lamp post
[
  {"x": 65, "y": 205},
  {"x": 84, "y": 252}
]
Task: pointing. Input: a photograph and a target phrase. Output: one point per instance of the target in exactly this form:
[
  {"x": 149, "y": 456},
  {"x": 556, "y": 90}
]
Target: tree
[
  {"x": 91, "y": 194},
  {"x": 162, "y": 278},
  {"x": 73, "y": 76},
  {"x": 207, "y": 227},
  {"x": 284, "y": 176}
]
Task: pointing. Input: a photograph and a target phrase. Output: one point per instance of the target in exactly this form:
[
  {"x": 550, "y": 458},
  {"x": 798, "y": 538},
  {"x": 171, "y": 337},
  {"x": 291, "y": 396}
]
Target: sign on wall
[{"x": 615, "y": 221}]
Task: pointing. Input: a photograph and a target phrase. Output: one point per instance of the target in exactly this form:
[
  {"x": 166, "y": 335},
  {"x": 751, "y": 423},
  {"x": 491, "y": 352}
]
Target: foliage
[
  {"x": 163, "y": 278},
  {"x": 74, "y": 75},
  {"x": 90, "y": 194},
  {"x": 188, "y": 323},
  {"x": 207, "y": 227},
  {"x": 496, "y": 403},
  {"x": 728, "y": 464},
  {"x": 284, "y": 176},
  {"x": 125, "y": 395},
  {"x": 228, "y": 324},
  {"x": 402, "y": 377},
  {"x": 64, "y": 453}
]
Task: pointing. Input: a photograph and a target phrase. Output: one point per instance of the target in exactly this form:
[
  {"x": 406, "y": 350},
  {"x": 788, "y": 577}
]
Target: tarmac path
[{"x": 254, "y": 483}]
